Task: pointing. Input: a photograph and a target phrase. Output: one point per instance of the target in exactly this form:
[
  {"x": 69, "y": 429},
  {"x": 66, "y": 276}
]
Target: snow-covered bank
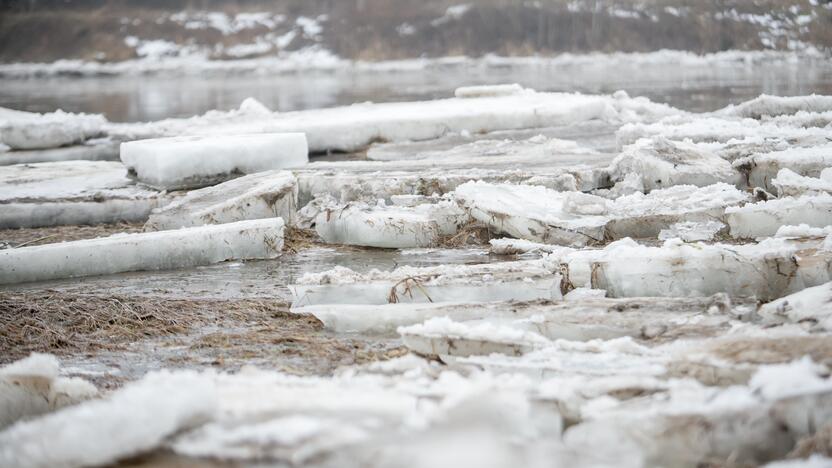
[{"x": 188, "y": 247}]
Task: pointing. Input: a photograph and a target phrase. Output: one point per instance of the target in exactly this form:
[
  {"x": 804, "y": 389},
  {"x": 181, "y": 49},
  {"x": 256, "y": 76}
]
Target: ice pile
[
  {"x": 661, "y": 163},
  {"x": 198, "y": 161},
  {"x": 576, "y": 219},
  {"x": 262, "y": 195}
]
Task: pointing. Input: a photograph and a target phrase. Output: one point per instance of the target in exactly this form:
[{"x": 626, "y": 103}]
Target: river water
[{"x": 151, "y": 97}]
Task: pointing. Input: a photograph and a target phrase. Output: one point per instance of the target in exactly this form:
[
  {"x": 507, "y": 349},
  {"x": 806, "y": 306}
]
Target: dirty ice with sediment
[{"x": 651, "y": 288}]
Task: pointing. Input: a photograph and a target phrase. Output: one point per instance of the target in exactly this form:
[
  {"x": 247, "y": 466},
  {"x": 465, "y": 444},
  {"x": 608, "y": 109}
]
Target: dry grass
[
  {"x": 173, "y": 333},
  {"x": 297, "y": 239},
  {"x": 61, "y": 322},
  {"x": 473, "y": 233}
]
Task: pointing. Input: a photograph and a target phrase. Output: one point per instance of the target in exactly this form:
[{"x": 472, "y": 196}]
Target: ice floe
[
  {"x": 661, "y": 163},
  {"x": 33, "y": 386},
  {"x": 576, "y": 219},
  {"x": 198, "y": 161},
  {"x": 72, "y": 192},
  {"x": 423, "y": 225},
  {"x": 266, "y": 194},
  {"x": 27, "y": 130},
  {"x": 521, "y": 280},
  {"x": 763, "y": 219},
  {"x": 187, "y": 247}
]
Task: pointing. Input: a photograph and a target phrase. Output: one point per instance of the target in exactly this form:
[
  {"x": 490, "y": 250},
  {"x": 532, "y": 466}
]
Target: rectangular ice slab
[
  {"x": 199, "y": 161},
  {"x": 577, "y": 219},
  {"x": 578, "y": 320},
  {"x": 395, "y": 227},
  {"x": 71, "y": 192},
  {"x": 768, "y": 270},
  {"x": 162, "y": 250},
  {"x": 521, "y": 281},
  {"x": 763, "y": 219},
  {"x": 264, "y": 195}
]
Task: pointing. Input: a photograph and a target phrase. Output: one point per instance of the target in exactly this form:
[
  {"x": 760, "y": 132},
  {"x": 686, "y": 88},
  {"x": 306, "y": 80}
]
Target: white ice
[
  {"x": 270, "y": 194},
  {"x": 28, "y": 130},
  {"x": 134, "y": 419},
  {"x": 662, "y": 163},
  {"x": 763, "y": 219},
  {"x": 198, "y": 161},
  {"x": 424, "y": 225},
  {"x": 71, "y": 192},
  {"x": 33, "y": 386},
  {"x": 521, "y": 280},
  {"x": 182, "y": 248},
  {"x": 573, "y": 218}
]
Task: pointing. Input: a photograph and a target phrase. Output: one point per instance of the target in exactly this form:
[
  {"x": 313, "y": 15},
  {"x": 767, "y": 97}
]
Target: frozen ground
[{"x": 500, "y": 278}]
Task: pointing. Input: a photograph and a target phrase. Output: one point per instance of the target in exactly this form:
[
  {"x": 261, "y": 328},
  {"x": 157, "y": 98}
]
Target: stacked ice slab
[{"x": 72, "y": 192}]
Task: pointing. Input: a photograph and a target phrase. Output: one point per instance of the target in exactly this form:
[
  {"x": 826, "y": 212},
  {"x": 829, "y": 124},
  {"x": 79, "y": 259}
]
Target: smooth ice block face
[
  {"x": 161, "y": 250},
  {"x": 199, "y": 161}
]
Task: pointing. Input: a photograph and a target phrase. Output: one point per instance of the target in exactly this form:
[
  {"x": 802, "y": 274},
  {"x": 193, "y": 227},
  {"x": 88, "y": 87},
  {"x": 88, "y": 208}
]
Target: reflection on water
[{"x": 153, "y": 97}]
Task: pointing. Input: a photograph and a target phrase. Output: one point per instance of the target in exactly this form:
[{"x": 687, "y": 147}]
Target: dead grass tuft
[
  {"x": 473, "y": 233},
  {"x": 297, "y": 239},
  {"x": 50, "y": 321}
]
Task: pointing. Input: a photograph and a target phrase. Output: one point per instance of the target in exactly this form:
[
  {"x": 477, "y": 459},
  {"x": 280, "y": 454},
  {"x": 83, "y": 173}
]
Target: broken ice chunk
[
  {"x": 532, "y": 212},
  {"x": 759, "y": 170},
  {"x": 768, "y": 270},
  {"x": 663, "y": 163},
  {"x": 771, "y": 106},
  {"x": 423, "y": 225},
  {"x": 134, "y": 419},
  {"x": 790, "y": 184},
  {"x": 71, "y": 192},
  {"x": 764, "y": 218},
  {"x": 522, "y": 280},
  {"x": 441, "y": 336},
  {"x": 691, "y": 231},
  {"x": 811, "y": 305},
  {"x": 263, "y": 195},
  {"x": 32, "y": 386},
  {"x": 199, "y": 161},
  {"x": 161, "y": 250},
  {"x": 577, "y": 219},
  {"x": 28, "y": 130}
]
